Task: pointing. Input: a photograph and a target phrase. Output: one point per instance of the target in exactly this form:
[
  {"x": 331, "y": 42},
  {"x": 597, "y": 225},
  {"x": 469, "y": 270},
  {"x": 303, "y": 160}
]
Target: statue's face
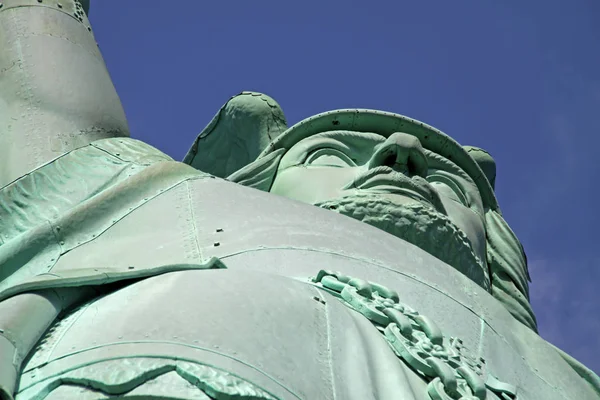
[{"x": 393, "y": 184}]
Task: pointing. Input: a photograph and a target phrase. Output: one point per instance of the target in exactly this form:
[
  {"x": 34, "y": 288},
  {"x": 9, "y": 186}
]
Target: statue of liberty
[{"x": 358, "y": 254}]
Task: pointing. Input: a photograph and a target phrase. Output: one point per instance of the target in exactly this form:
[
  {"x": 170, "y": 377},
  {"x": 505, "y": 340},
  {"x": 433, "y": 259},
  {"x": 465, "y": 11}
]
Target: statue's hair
[
  {"x": 506, "y": 260},
  {"x": 260, "y": 173},
  {"x": 507, "y": 263}
]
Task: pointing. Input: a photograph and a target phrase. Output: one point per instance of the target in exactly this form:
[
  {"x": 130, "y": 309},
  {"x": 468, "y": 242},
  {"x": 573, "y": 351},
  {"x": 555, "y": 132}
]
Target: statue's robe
[{"x": 154, "y": 277}]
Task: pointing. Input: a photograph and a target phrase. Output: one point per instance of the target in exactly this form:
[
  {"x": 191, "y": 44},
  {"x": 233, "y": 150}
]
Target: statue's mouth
[
  {"x": 381, "y": 186},
  {"x": 384, "y": 179}
]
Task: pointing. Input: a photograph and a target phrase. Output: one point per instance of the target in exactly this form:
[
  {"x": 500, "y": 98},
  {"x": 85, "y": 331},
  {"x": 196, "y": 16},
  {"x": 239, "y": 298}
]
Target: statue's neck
[{"x": 55, "y": 92}]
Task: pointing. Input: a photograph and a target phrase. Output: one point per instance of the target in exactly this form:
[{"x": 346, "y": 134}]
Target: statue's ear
[
  {"x": 240, "y": 131},
  {"x": 485, "y": 162}
]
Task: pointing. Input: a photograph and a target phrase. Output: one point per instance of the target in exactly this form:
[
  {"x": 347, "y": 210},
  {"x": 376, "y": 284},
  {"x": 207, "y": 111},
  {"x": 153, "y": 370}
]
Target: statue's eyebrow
[
  {"x": 345, "y": 135},
  {"x": 351, "y": 139},
  {"x": 440, "y": 162},
  {"x": 346, "y": 141}
]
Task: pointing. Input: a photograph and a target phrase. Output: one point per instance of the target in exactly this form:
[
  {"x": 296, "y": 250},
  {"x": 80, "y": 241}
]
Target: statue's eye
[
  {"x": 328, "y": 157},
  {"x": 448, "y": 187}
]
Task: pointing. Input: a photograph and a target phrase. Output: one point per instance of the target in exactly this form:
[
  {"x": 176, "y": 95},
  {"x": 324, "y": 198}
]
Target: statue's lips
[
  {"x": 396, "y": 183},
  {"x": 384, "y": 179},
  {"x": 398, "y": 191}
]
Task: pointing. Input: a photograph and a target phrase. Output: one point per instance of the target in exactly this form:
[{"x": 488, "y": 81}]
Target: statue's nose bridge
[{"x": 401, "y": 151}]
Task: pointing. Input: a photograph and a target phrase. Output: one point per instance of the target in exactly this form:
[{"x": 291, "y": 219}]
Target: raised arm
[{"x": 55, "y": 91}]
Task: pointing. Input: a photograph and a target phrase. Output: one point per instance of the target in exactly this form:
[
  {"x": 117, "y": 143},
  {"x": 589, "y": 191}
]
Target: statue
[{"x": 358, "y": 254}]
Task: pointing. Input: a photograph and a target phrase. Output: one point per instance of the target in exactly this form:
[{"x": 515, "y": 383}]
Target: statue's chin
[{"x": 415, "y": 223}]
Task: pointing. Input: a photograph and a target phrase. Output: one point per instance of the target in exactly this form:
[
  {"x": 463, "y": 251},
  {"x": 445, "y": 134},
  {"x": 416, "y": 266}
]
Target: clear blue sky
[{"x": 518, "y": 78}]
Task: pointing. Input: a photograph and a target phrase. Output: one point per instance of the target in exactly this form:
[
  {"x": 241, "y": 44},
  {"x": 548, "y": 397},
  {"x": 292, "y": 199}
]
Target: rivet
[{"x": 59, "y": 5}]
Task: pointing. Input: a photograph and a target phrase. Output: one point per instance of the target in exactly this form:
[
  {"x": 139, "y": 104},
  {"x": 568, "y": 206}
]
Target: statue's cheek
[
  {"x": 312, "y": 184},
  {"x": 469, "y": 222}
]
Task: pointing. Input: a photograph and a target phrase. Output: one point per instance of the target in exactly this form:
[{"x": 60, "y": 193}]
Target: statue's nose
[{"x": 402, "y": 152}]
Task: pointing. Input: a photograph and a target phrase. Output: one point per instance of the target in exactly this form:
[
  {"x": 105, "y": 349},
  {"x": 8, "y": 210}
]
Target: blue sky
[{"x": 518, "y": 78}]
